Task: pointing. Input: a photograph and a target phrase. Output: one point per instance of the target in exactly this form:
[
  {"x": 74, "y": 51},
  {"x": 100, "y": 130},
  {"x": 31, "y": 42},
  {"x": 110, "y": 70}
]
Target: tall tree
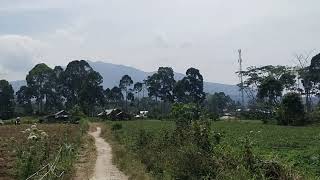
[
  {"x": 271, "y": 89},
  {"x": 130, "y": 97},
  {"x": 314, "y": 69},
  {"x": 218, "y": 102},
  {"x": 137, "y": 87},
  {"x": 190, "y": 88},
  {"x": 91, "y": 94},
  {"x": 54, "y": 99},
  {"x": 180, "y": 91},
  {"x": 153, "y": 86},
  {"x": 114, "y": 95},
  {"x": 124, "y": 85},
  {"x": 6, "y": 100},
  {"x": 167, "y": 82},
  {"x": 79, "y": 79},
  {"x": 39, "y": 80},
  {"x": 291, "y": 111},
  {"x": 268, "y": 81},
  {"x": 195, "y": 85},
  {"x": 24, "y": 99},
  {"x": 306, "y": 74}
]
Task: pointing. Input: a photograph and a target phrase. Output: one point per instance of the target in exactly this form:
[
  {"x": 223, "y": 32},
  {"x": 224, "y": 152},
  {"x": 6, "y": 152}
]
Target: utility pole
[{"x": 241, "y": 78}]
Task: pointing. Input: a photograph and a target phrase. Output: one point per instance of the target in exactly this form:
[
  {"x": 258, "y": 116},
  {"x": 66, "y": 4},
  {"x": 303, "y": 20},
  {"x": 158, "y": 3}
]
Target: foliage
[
  {"x": 314, "y": 116},
  {"x": 166, "y": 82},
  {"x": 81, "y": 86},
  {"x": 190, "y": 88},
  {"x": 314, "y": 69},
  {"x": 153, "y": 86},
  {"x": 22, "y": 156},
  {"x": 24, "y": 98},
  {"x": 91, "y": 94},
  {"x": 6, "y": 100},
  {"x": 114, "y": 96},
  {"x": 155, "y": 144},
  {"x": 76, "y": 111},
  {"x": 34, "y": 153},
  {"x": 124, "y": 85},
  {"x": 271, "y": 89},
  {"x": 269, "y": 80},
  {"x": 40, "y": 82},
  {"x": 218, "y": 102},
  {"x": 291, "y": 111}
]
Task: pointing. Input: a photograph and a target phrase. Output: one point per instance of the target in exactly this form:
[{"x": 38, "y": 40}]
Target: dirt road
[{"x": 104, "y": 169}]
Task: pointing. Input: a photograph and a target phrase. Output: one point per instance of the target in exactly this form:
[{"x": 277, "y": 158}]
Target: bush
[
  {"x": 314, "y": 116},
  {"x": 76, "y": 111},
  {"x": 116, "y": 126},
  {"x": 291, "y": 111}
]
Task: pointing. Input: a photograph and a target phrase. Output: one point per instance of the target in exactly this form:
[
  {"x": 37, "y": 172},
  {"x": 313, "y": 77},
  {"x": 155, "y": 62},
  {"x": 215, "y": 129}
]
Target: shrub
[
  {"x": 31, "y": 157},
  {"x": 76, "y": 111},
  {"x": 116, "y": 126},
  {"x": 314, "y": 116},
  {"x": 291, "y": 111}
]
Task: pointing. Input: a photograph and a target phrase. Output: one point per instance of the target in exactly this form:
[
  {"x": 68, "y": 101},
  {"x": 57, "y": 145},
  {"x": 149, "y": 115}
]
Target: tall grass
[
  {"x": 245, "y": 151},
  {"x": 127, "y": 161},
  {"x": 37, "y": 159}
]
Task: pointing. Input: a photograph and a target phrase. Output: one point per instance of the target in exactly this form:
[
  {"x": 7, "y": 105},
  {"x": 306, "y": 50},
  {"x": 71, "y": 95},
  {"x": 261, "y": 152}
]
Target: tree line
[
  {"x": 80, "y": 86},
  {"x": 279, "y": 89}
]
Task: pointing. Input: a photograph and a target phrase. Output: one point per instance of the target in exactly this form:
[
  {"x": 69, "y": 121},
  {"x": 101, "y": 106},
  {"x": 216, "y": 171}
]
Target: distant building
[
  {"x": 61, "y": 116},
  {"x": 142, "y": 114},
  {"x": 114, "y": 114}
]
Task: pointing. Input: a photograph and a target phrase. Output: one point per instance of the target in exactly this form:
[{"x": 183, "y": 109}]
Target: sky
[{"x": 147, "y": 34}]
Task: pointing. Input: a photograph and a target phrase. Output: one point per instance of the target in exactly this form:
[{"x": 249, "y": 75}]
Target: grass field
[
  {"x": 14, "y": 143},
  {"x": 297, "y": 147}
]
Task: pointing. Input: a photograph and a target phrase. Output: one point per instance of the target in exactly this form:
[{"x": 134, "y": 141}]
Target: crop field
[
  {"x": 18, "y": 160},
  {"x": 297, "y": 147}
]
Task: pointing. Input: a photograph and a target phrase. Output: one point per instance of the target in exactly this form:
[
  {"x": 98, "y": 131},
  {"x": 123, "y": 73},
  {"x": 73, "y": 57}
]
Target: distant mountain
[
  {"x": 112, "y": 74},
  {"x": 17, "y": 84}
]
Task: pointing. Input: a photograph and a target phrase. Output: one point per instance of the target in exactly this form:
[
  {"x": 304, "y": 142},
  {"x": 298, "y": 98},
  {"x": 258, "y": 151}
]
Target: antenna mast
[{"x": 241, "y": 78}]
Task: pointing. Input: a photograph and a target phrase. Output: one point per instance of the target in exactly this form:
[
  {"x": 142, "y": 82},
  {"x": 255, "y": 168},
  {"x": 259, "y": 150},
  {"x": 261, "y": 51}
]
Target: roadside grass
[
  {"x": 24, "y": 120},
  {"x": 86, "y": 158},
  {"x": 298, "y": 148},
  {"x": 125, "y": 160}
]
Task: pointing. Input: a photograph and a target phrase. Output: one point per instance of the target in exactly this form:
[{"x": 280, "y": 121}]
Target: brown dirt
[
  {"x": 104, "y": 169},
  {"x": 85, "y": 164}
]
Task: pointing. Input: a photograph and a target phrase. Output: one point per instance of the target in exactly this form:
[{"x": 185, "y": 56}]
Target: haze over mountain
[{"x": 112, "y": 74}]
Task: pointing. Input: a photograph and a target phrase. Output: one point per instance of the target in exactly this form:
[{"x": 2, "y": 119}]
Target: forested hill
[{"x": 112, "y": 74}]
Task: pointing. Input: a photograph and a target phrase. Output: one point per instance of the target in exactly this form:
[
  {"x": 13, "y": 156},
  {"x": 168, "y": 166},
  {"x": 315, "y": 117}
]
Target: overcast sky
[{"x": 146, "y": 34}]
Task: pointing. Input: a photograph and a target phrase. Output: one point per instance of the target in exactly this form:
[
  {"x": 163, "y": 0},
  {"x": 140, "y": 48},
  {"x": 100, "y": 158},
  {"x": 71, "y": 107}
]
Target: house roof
[
  {"x": 61, "y": 112},
  {"x": 108, "y": 112}
]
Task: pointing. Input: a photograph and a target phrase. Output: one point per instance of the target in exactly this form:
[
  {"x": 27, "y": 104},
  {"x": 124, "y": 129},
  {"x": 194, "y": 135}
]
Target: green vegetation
[
  {"x": 190, "y": 146},
  {"x": 124, "y": 158},
  {"x": 291, "y": 111},
  {"x": 295, "y": 149},
  {"x": 6, "y": 100},
  {"x": 49, "y": 150}
]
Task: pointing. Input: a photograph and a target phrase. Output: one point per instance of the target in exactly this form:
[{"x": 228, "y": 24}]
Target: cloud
[
  {"x": 18, "y": 54},
  {"x": 146, "y": 34}
]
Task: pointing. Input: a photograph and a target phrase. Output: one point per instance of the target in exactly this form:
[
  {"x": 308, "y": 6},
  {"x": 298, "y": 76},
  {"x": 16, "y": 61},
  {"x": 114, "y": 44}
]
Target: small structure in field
[
  {"x": 227, "y": 116},
  {"x": 114, "y": 114},
  {"x": 17, "y": 121},
  {"x": 142, "y": 114},
  {"x": 59, "y": 117}
]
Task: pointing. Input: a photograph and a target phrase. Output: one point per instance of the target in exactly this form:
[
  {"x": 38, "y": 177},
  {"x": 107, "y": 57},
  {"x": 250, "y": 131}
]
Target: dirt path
[
  {"x": 104, "y": 169},
  {"x": 86, "y": 161}
]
